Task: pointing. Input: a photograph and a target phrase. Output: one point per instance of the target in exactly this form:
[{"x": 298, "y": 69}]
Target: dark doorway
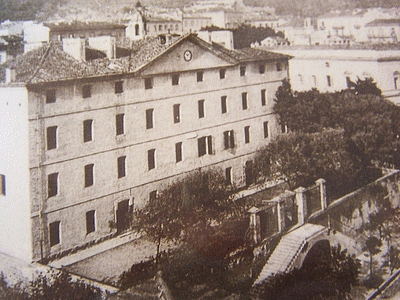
[
  {"x": 249, "y": 172},
  {"x": 123, "y": 220},
  {"x": 319, "y": 253}
]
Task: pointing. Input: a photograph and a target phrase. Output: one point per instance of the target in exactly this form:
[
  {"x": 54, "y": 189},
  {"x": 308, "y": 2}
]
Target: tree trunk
[{"x": 370, "y": 264}]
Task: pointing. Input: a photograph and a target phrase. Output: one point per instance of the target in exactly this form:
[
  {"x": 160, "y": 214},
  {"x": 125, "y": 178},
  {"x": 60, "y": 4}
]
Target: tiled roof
[
  {"x": 50, "y": 64},
  {"x": 384, "y": 22},
  {"x": 77, "y": 25}
]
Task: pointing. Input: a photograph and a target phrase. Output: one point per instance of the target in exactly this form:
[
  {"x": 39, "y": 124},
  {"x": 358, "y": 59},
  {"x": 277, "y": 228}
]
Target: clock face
[{"x": 187, "y": 55}]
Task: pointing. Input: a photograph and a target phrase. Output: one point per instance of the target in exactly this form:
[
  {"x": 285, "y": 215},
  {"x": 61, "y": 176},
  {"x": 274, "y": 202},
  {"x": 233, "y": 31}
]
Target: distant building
[
  {"x": 383, "y": 31},
  {"x": 11, "y": 28},
  {"x": 263, "y": 21},
  {"x": 221, "y": 37},
  {"x": 298, "y": 31},
  {"x": 351, "y": 24},
  {"x": 330, "y": 68},
  {"x": 136, "y": 26},
  {"x": 85, "y": 142},
  {"x": 274, "y": 41},
  {"x": 193, "y": 23},
  {"x": 156, "y": 26},
  {"x": 76, "y": 29}
]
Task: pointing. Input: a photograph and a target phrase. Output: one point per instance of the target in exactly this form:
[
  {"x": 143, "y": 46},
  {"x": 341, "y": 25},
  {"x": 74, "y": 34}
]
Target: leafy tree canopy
[
  {"x": 371, "y": 124},
  {"x": 188, "y": 206}
]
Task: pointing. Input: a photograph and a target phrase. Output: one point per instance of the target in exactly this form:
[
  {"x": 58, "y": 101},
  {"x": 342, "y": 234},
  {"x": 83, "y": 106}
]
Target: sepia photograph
[{"x": 199, "y": 149}]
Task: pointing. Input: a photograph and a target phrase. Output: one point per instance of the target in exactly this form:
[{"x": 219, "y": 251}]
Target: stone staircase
[{"x": 287, "y": 251}]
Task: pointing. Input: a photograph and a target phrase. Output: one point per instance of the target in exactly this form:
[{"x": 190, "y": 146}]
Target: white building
[
  {"x": 84, "y": 143},
  {"x": 329, "y": 69}
]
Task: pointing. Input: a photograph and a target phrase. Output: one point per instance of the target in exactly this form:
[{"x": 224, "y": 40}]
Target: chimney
[
  {"x": 106, "y": 44},
  {"x": 75, "y": 48},
  {"x": 10, "y": 75}
]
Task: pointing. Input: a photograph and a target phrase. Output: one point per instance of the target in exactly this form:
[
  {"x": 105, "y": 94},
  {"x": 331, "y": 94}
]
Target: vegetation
[
  {"x": 186, "y": 208},
  {"x": 52, "y": 286},
  {"x": 370, "y": 124},
  {"x": 372, "y": 245},
  {"x": 328, "y": 276}
]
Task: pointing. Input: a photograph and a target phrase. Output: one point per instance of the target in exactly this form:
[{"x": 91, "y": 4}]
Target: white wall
[{"x": 15, "y": 237}]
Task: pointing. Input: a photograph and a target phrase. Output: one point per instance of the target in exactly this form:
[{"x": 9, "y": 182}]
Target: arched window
[{"x": 137, "y": 29}]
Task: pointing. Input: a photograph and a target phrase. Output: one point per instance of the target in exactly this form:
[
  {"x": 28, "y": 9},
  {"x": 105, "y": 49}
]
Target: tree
[
  {"x": 392, "y": 258},
  {"x": 55, "y": 285},
  {"x": 371, "y": 124},
  {"x": 365, "y": 87},
  {"x": 299, "y": 159},
  {"x": 186, "y": 207},
  {"x": 372, "y": 245}
]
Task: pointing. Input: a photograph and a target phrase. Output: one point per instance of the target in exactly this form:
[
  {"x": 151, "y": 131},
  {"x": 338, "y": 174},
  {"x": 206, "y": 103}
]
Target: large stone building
[
  {"x": 83, "y": 143},
  {"x": 329, "y": 68}
]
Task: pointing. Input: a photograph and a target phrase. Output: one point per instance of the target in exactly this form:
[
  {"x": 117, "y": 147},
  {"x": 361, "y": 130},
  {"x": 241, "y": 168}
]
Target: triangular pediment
[{"x": 187, "y": 54}]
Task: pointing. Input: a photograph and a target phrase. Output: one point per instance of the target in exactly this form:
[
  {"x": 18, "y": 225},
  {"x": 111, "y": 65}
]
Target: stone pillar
[
  {"x": 301, "y": 205},
  {"x": 322, "y": 188},
  {"x": 281, "y": 221},
  {"x": 255, "y": 224}
]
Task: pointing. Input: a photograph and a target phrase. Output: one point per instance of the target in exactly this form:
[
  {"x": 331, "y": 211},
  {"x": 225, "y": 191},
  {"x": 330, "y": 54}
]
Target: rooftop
[
  {"x": 77, "y": 25},
  {"x": 50, "y": 64},
  {"x": 384, "y": 22}
]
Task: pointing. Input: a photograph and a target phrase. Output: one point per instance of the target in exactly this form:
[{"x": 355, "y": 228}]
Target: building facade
[
  {"x": 96, "y": 139},
  {"x": 330, "y": 69}
]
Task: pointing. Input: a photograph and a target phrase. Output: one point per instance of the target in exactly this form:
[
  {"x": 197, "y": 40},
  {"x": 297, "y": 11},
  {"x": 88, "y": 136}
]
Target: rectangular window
[
  {"x": 201, "y": 108},
  {"x": 86, "y": 91},
  {"x": 121, "y": 166},
  {"x": 224, "y": 107},
  {"x": 177, "y": 113},
  {"x": 242, "y": 70},
  {"x": 119, "y": 124},
  {"x": 300, "y": 79},
  {"x": 2, "y": 184},
  {"x": 348, "y": 81},
  {"x": 328, "y": 80},
  {"x": 175, "y": 79},
  {"x": 51, "y": 96},
  {"x": 314, "y": 80},
  {"x": 148, "y": 83},
  {"x": 151, "y": 159},
  {"x": 261, "y": 69},
  {"x": 119, "y": 87},
  {"x": 52, "y": 185},
  {"x": 199, "y": 76},
  {"x": 149, "y": 118},
  {"x": 247, "y": 134},
  {"x": 153, "y": 195},
  {"x": 263, "y": 97},
  {"x": 51, "y": 137},
  {"x": 54, "y": 232},
  {"x": 178, "y": 152},
  {"x": 229, "y": 139},
  {"x": 278, "y": 66},
  {"x": 204, "y": 145},
  {"x": 90, "y": 221},
  {"x": 87, "y": 130},
  {"x": 284, "y": 128},
  {"x": 222, "y": 73},
  {"x": 228, "y": 175},
  {"x": 89, "y": 178},
  {"x": 244, "y": 101},
  {"x": 266, "y": 129}
]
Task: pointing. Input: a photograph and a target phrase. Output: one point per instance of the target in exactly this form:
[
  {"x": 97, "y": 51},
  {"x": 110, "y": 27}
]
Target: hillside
[
  {"x": 314, "y": 8},
  {"x": 42, "y": 9}
]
